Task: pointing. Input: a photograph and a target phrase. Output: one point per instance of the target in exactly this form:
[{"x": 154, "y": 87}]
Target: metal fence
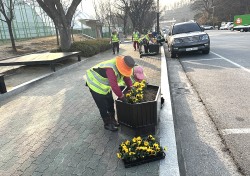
[{"x": 30, "y": 21}]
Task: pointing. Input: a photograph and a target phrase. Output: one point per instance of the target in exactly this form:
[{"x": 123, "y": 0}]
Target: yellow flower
[
  {"x": 128, "y": 95},
  {"x": 136, "y": 84},
  {"x": 134, "y": 139},
  {"x": 157, "y": 149},
  {"x": 146, "y": 143},
  {"x": 119, "y": 155},
  {"x": 131, "y": 153},
  {"x": 156, "y": 145},
  {"x": 153, "y": 152},
  {"x": 149, "y": 150},
  {"x": 138, "y": 138},
  {"x": 127, "y": 142},
  {"x": 124, "y": 148},
  {"x": 150, "y": 136}
]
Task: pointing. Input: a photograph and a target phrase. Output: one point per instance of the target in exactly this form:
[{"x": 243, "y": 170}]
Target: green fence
[{"x": 30, "y": 21}]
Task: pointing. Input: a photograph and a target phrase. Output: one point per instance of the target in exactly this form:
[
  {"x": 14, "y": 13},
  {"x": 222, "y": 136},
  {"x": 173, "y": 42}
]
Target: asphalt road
[{"x": 211, "y": 103}]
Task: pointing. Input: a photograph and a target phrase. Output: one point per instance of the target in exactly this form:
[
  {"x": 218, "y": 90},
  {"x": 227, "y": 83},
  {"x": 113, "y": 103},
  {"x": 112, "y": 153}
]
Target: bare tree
[
  {"x": 219, "y": 10},
  {"x": 205, "y": 7},
  {"x": 6, "y": 9},
  {"x": 62, "y": 18},
  {"x": 103, "y": 12},
  {"x": 123, "y": 12},
  {"x": 142, "y": 14}
]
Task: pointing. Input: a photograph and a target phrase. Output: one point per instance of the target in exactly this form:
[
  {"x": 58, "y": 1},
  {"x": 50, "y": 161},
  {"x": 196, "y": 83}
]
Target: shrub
[{"x": 89, "y": 47}]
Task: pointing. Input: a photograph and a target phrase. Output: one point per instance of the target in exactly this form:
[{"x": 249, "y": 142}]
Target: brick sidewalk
[{"x": 54, "y": 127}]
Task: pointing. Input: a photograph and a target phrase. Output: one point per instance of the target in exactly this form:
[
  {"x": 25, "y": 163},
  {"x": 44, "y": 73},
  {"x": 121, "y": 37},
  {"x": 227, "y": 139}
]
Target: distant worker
[
  {"x": 104, "y": 77},
  {"x": 115, "y": 41},
  {"x": 135, "y": 38},
  {"x": 144, "y": 41}
]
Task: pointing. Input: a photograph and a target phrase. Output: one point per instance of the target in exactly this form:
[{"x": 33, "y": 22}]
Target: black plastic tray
[{"x": 144, "y": 161}]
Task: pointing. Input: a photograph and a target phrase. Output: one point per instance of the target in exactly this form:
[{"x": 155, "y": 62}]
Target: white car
[
  {"x": 207, "y": 27},
  {"x": 226, "y": 26}
]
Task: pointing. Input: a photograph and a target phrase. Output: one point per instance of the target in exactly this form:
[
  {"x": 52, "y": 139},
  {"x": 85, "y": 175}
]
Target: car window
[{"x": 185, "y": 28}]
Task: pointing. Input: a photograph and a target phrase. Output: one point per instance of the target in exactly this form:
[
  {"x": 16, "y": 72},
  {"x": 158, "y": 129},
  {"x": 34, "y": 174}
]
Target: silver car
[{"x": 187, "y": 37}]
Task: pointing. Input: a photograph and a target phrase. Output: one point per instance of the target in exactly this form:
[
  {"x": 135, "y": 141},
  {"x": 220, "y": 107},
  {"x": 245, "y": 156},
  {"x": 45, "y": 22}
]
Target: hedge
[{"x": 89, "y": 47}]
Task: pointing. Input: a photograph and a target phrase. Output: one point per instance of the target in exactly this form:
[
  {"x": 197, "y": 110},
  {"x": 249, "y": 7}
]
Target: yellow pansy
[
  {"x": 119, "y": 155},
  {"x": 138, "y": 138},
  {"x": 156, "y": 145},
  {"x": 127, "y": 142},
  {"x": 146, "y": 143}
]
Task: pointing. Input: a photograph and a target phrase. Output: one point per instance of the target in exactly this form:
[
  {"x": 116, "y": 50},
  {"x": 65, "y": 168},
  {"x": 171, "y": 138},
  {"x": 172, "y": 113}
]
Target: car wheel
[
  {"x": 206, "y": 51},
  {"x": 172, "y": 54}
]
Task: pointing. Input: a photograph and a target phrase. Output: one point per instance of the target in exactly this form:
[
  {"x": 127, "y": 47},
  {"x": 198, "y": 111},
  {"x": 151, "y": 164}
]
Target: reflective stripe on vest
[
  {"x": 99, "y": 84},
  {"x": 115, "y": 38}
]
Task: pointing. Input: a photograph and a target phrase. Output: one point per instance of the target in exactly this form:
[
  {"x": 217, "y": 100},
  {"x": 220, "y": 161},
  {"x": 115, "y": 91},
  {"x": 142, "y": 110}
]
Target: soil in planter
[{"x": 149, "y": 94}]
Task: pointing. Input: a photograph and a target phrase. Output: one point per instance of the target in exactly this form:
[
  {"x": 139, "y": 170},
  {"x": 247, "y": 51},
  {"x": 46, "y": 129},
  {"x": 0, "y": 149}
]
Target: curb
[{"x": 169, "y": 166}]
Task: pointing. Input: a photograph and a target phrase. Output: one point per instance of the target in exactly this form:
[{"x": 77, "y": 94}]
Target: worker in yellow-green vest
[
  {"x": 135, "y": 38},
  {"x": 144, "y": 41},
  {"x": 102, "y": 79},
  {"x": 115, "y": 41}
]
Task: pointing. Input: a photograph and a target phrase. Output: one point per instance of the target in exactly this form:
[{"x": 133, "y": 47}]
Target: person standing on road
[
  {"x": 135, "y": 38},
  {"x": 115, "y": 41},
  {"x": 104, "y": 77}
]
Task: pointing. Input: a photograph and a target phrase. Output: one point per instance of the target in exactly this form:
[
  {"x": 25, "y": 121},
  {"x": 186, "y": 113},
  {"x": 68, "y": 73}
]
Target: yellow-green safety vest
[
  {"x": 135, "y": 36},
  {"x": 122, "y": 83},
  {"x": 145, "y": 36},
  {"x": 114, "y": 38},
  {"x": 99, "y": 84}
]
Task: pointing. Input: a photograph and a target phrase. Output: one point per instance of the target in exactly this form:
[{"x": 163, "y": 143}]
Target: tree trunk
[
  {"x": 11, "y": 36},
  {"x": 65, "y": 37}
]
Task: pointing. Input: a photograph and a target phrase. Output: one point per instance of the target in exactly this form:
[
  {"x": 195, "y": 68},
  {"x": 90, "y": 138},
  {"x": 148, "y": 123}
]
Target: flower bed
[
  {"x": 140, "y": 151},
  {"x": 140, "y": 117}
]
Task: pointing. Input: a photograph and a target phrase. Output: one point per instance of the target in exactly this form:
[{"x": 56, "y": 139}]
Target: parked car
[
  {"x": 165, "y": 32},
  {"x": 226, "y": 26},
  {"x": 186, "y": 37},
  {"x": 207, "y": 27}
]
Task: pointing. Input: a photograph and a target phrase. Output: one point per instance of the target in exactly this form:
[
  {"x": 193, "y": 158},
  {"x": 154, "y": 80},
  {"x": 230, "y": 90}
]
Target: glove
[{"x": 123, "y": 99}]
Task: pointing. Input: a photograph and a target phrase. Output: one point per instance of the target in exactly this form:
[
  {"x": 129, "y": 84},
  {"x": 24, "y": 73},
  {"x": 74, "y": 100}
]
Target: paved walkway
[{"x": 54, "y": 127}]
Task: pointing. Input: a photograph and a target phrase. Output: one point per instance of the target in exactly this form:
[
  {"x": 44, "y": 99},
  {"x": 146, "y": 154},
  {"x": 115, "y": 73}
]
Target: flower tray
[{"x": 145, "y": 160}]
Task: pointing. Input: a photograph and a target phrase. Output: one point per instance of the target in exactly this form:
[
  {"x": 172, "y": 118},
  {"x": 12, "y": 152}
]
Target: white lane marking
[
  {"x": 203, "y": 59},
  {"x": 236, "y": 131},
  {"x": 243, "y": 68},
  {"x": 205, "y": 64}
]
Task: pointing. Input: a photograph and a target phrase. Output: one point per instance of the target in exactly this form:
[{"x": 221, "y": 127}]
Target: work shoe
[
  {"x": 113, "y": 120},
  {"x": 110, "y": 127},
  {"x": 108, "y": 124}
]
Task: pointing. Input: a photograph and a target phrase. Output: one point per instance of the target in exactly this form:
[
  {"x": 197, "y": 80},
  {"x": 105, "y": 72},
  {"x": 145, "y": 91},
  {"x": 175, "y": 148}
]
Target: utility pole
[
  {"x": 213, "y": 16},
  {"x": 158, "y": 16}
]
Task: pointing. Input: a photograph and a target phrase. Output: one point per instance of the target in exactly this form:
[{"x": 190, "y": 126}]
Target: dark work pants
[
  {"x": 105, "y": 103},
  {"x": 115, "y": 45},
  {"x": 146, "y": 48},
  {"x": 136, "y": 43}
]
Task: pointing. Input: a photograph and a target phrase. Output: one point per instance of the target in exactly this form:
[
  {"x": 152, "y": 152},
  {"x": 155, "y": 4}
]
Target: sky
[{"x": 87, "y": 6}]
